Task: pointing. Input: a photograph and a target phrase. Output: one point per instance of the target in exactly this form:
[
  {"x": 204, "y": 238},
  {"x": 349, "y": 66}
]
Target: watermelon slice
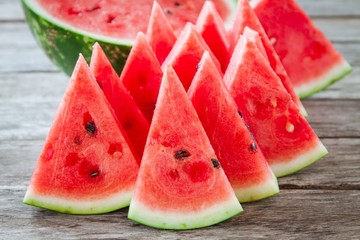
[
  {"x": 283, "y": 134},
  {"x": 142, "y": 76},
  {"x": 246, "y": 17},
  {"x": 243, "y": 162},
  {"x": 186, "y": 54},
  {"x": 211, "y": 27},
  {"x": 297, "y": 40},
  {"x": 127, "y": 112},
  {"x": 66, "y": 28},
  {"x": 181, "y": 184},
  {"x": 160, "y": 34},
  {"x": 86, "y": 165}
]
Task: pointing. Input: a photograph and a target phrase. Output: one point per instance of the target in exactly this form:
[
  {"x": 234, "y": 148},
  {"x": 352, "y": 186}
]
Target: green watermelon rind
[
  {"x": 80, "y": 207},
  {"x": 300, "y": 162},
  {"x": 63, "y": 43},
  {"x": 260, "y": 191},
  {"x": 219, "y": 212},
  {"x": 338, "y": 72}
]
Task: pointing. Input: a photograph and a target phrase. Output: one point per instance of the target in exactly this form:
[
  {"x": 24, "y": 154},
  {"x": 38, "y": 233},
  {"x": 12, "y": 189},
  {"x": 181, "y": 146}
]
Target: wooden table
[{"x": 320, "y": 202}]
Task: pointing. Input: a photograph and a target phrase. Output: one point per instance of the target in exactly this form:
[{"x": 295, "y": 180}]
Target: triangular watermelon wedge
[
  {"x": 185, "y": 56},
  {"x": 160, "y": 34},
  {"x": 297, "y": 40},
  {"x": 86, "y": 165},
  {"x": 211, "y": 27},
  {"x": 283, "y": 134},
  {"x": 243, "y": 162},
  {"x": 127, "y": 112},
  {"x": 246, "y": 17},
  {"x": 142, "y": 76},
  {"x": 181, "y": 184}
]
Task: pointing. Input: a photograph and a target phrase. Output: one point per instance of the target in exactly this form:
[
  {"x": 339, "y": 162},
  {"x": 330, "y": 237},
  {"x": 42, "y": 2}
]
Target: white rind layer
[
  {"x": 221, "y": 211},
  {"x": 300, "y": 162},
  {"x": 336, "y": 73},
  {"x": 97, "y": 206},
  {"x": 263, "y": 190}
]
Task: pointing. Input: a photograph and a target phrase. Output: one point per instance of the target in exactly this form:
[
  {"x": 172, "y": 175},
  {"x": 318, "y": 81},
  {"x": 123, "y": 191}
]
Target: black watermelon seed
[
  {"x": 181, "y": 154},
  {"x": 215, "y": 162},
  {"x": 90, "y": 128},
  {"x": 94, "y": 173},
  {"x": 240, "y": 114},
  {"x": 177, "y": 4},
  {"x": 167, "y": 11},
  {"x": 253, "y": 146}
]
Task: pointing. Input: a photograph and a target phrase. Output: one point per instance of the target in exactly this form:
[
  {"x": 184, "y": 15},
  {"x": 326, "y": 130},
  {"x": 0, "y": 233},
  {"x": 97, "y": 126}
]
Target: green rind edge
[
  {"x": 63, "y": 45},
  {"x": 306, "y": 164},
  {"x": 326, "y": 84},
  {"x": 72, "y": 210}
]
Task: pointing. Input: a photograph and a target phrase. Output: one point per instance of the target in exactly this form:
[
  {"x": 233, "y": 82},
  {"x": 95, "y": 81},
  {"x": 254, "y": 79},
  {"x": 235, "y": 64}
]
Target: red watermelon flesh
[
  {"x": 127, "y": 112},
  {"x": 160, "y": 34},
  {"x": 283, "y": 134},
  {"x": 142, "y": 76},
  {"x": 255, "y": 37},
  {"x": 181, "y": 184},
  {"x": 123, "y": 18},
  {"x": 243, "y": 162},
  {"x": 297, "y": 40},
  {"x": 186, "y": 54},
  {"x": 86, "y": 165},
  {"x": 211, "y": 27},
  {"x": 246, "y": 17}
]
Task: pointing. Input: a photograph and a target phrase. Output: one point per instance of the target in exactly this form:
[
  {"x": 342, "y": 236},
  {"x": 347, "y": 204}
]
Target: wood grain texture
[{"x": 319, "y": 202}]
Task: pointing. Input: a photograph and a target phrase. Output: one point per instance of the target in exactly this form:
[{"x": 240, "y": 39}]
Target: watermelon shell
[
  {"x": 86, "y": 165},
  {"x": 181, "y": 184},
  {"x": 62, "y": 41}
]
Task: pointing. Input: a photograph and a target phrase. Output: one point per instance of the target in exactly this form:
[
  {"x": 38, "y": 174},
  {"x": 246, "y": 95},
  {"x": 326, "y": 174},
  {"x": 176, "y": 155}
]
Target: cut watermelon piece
[
  {"x": 142, "y": 76},
  {"x": 297, "y": 40},
  {"x": 86, "y": 165},
  {"x": 243, "y": 162},
  {"x": 186, "y": 54},
  {"x": 76, "y": 25},
  {"x": 211, "y": 27},
  {"x": 283, "y": 134},
  {"x": 160, "y": 34},
  {"x": 127, "y": 112},
  {"x": 246, "y": 17},
  {"x": 180, "y": 185}
]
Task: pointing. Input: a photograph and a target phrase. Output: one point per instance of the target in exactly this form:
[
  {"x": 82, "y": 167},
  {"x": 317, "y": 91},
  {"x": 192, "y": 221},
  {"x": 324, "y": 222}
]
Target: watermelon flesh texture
[
  {"x": 246, "y": 17},
  {"x": 186, "y": 54},
  {"x": 142, "y": 76},
  {"x": 160, "y": 34},
  {"x": 255, "y": 37},
  {"x": 241, "y": 158},
  {"x": 180, "y": 185},
  {"x": 297, "y": 40},
  {"x": 211, "y": 27},
  {"x": 86, "y": 165},
  {"x": 124, "y": 19},
  {"x": 127, "y": 112},
  {"x": 283, "y": 134}
]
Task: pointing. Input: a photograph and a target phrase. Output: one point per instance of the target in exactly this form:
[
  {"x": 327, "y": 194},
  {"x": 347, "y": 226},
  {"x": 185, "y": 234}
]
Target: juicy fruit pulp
[
  {"x": 243, "y": 162},
  {"x": 283, "y": 134},
  {"x": 318, "y": 64},
  {"x": 127, "y": 112},
  {"x": 86, "y": 165},
  {"x": 181, "y": 184},
  {"x": 123, "y": 18}
]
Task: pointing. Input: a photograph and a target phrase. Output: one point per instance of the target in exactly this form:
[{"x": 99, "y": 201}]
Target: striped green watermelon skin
[{"x": 63, "y": 44}]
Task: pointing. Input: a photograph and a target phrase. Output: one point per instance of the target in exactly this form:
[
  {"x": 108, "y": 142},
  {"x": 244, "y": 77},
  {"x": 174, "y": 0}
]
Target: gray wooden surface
[{"x": 320, "y": 202}]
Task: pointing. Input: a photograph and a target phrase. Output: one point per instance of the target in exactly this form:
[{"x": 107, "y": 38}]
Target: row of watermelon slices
[{"x": 91, "y": 157}]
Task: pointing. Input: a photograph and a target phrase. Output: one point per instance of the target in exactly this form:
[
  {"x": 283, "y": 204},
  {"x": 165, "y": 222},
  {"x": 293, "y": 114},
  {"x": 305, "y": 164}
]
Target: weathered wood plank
[
  {"x": 294, "y": 214},
  {"x": 10, "y": 10},
  {"x": 339, "y": 170}
]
